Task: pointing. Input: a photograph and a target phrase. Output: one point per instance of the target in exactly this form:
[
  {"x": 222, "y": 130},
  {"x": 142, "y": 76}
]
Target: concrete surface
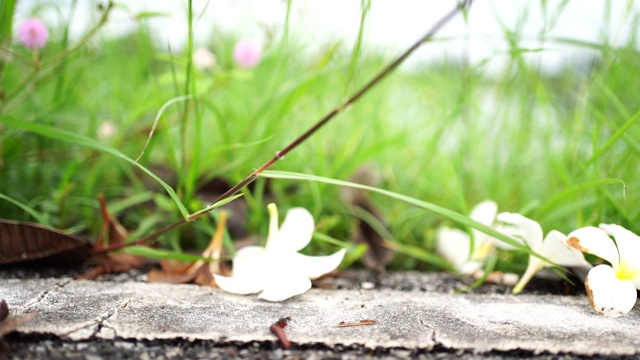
[{"x": 78, "y": 311}]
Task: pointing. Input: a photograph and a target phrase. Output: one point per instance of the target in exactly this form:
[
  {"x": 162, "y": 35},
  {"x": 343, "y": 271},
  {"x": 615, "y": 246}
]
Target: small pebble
[
  {"x": 277, "y": 354},
  {"x": 125, "y": 345},
  {"x": 368, "y": 285}
]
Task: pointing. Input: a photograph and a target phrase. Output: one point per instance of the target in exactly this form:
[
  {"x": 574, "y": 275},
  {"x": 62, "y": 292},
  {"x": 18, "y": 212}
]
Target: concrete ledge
[{"x": 550, "y": 324}]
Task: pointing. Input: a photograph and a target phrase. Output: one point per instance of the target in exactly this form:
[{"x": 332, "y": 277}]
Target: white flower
[
  {"x": 611, "y": 289},
  {"x": 277, "y": 270},
  {"x": 454, "y": 244},
  {"x": 552, "y": 247}
]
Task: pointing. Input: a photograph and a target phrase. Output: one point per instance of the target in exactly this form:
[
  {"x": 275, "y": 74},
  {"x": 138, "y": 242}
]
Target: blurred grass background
[{"x": 546, "y": 145}]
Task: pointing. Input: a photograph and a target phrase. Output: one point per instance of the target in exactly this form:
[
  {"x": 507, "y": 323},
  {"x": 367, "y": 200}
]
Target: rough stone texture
[{"x": 417, "y": 320}]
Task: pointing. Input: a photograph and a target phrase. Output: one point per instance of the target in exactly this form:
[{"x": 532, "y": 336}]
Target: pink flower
[
  {"x": 33, "y": 34},
  {"x": 247, "y": 53}
]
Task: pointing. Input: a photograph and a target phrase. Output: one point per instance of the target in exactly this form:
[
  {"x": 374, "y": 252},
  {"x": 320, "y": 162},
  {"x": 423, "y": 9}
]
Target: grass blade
[
  {"x": 63, "y": 135},
  {"x": 457, "y": 217},
  {"x": 41, "y": 219},
  {"x": 618, "y": 134}
]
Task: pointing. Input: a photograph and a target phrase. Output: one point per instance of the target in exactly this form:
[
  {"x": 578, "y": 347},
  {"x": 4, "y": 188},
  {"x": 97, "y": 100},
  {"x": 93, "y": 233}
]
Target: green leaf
[
  {"x": 148, "y": 252},
  {"x": 215, "y": 205}
]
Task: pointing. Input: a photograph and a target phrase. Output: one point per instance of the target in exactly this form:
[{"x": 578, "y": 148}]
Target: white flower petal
[
  {"x": 485, "y": 212},
  {"x": 453, "y": 245},
  {"x": 239, "y": 285},
  {"x": 594, "y": 241},
  {"x": 555, "y": 248},
  {"x": 249, "y": 261},
  {"x": 523, "y": 228},
  {"x": 296, "y": 230},
  {"x": 628, "y": 243},
  {"x": 250, "y": 271},
  {"x": 469, "y": 267},
  {"x": 284, "y": 287},
  {"x": 608, "y": 295},
  {"x": 506, "y": 230},
  {"x": 316, "y": 266}
]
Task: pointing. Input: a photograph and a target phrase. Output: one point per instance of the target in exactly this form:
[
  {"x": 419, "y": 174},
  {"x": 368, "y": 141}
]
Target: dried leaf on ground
[
  {"x": 9, "y": 324},
  {"x": 201, "y": 272},
  {"x": 22, "y": 242},
  {"x": 111, "y": 233},
  {"x": 378, "y": 255}
]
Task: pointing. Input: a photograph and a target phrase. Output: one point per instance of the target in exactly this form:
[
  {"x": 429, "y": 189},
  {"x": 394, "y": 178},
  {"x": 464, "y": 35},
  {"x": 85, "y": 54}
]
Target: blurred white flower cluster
[{"x": 611, "y": 288}]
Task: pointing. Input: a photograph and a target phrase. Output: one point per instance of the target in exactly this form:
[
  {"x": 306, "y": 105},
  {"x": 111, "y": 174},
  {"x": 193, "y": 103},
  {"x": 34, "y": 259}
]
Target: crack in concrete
[
  {"x": 434, "y": 331},
  {"x": 114, "y": 311},
  {"x": 98, "y": 322},
  {"x": 45, "y": 293}
]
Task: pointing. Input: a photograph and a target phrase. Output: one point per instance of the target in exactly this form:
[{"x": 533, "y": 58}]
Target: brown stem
[{"x": 337, "y": 110}]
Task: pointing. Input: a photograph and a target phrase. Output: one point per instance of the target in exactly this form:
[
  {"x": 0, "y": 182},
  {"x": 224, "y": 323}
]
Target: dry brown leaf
[
  {"x": 111, "y": 233},
  {"x": 172, "y": 266},
  {"x": 22, "y": 242},
  {"x": 11, "y": 324},
  {"x": 8, "y": 324},
  {"x": 201, "y": 272},
  {"x": 170, "y": 278}
]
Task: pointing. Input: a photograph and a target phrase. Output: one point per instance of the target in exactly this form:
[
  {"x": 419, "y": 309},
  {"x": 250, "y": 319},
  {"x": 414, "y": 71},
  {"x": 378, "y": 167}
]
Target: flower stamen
[{"x": 627, "y": 272}]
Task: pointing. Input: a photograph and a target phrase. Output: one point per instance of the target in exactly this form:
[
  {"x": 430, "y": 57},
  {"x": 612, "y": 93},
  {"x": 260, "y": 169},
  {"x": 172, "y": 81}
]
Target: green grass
[{"x": 561, "y": 148}]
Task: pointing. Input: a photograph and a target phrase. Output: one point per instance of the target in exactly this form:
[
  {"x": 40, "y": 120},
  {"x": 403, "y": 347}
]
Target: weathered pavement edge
[{"x": 83, "y": 310}]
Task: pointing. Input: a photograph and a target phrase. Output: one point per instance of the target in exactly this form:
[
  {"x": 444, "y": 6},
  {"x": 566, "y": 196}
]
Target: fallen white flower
[
  {"x": 612, "y": 290},
  {"x": 552, "y": 247},
  {"x": 455, "y": 244},
  {"x": 278, "y": 271}
]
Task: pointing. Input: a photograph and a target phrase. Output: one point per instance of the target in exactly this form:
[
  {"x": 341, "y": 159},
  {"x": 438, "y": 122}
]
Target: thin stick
[
  {"x": 337, "y": 110},
  {"x": 355, "y": 97}
]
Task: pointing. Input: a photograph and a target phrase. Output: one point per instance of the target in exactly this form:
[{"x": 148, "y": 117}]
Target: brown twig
[
  {"x": 277, "y": 329},
  {"x": 4, "y": 310},
  {"x": 357, "y": 323},
  {"x": 337, "y": 110}
]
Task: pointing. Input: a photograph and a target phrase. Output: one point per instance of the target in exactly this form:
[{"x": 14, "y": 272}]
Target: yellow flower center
[
  {"x": 483, "y": 250},
  {"x": 627, "y": 272}
]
